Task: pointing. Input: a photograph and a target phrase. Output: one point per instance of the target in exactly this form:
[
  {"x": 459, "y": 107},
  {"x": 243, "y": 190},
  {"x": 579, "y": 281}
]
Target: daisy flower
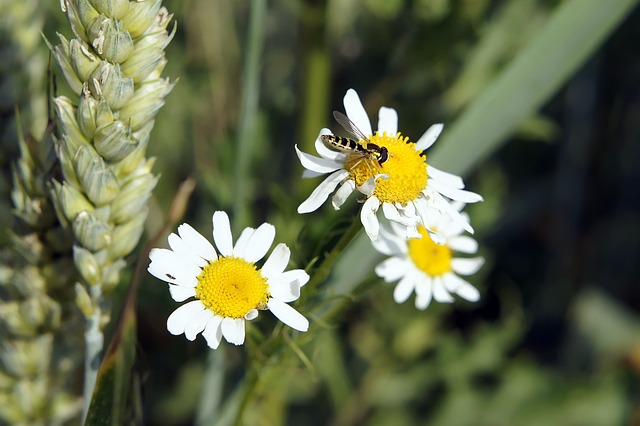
[
  {"x": 429, "y": 269},
  {"x": 404, "y": 185},
  {"x": 227, "y": 285}
]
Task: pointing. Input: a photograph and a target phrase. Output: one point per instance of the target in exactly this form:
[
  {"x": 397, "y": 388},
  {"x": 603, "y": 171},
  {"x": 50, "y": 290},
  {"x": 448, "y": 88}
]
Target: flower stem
[
  {"x": 332, "y": 257},
  {"x": 94, "y": 341}
]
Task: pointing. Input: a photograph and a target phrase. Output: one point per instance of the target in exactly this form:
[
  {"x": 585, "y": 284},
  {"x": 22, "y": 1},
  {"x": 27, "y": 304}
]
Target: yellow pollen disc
[
  {"x": 407, "y": 170},
  {"x": 231, "y": 287},
  {"x": 434, "y": 259}
]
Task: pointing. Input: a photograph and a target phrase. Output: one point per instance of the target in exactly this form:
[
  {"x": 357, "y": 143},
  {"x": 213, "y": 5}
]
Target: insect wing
[{"x": 349, "y": 126}]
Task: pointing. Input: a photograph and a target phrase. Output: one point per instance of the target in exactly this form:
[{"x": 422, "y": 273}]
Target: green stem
[
  {"x": 248, "y": 110},
  {"x": 212, "y": 384},
  {"x": 94, "y": 341},
  {"x": 251, "y": 382},
  {"x": 322, "y": 272}
]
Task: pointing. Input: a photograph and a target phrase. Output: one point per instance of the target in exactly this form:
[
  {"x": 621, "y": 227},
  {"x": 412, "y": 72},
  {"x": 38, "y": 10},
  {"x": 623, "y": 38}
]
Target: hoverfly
[{"x": 361, "y": 150}]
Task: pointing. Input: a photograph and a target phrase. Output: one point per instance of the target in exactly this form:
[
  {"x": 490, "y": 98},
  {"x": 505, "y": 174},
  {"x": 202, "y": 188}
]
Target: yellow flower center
[
  {"x": 231, "y": 287},
  {"x": 434, "y": 259},
  {"x": 407, "y": 170}
]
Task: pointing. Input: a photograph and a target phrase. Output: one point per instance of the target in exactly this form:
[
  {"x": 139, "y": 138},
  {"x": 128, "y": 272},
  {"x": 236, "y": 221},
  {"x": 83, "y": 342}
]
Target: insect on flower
[{"x": 361, "y": 150}]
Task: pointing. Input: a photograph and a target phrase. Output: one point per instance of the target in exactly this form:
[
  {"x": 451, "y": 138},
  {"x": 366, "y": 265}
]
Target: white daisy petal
[
  {"x": 285, "y": 292},
  {"x": 389, "y": 243},
  {"x": 197, "y": 324},
  {"x": 388, "y": 121},
  {"x": 294, "y": 276},
  {"x": 461, "y": 287},
  {"x": 369, "y": 219},
  {"x": 447, "y": 178},
  {"x": 437, "y": 237},
  {"x": 463, "y": 244},
  {"x": 467, "y": 266},
  {"x": 222, "y": 233},
  {"x": 172, "y": 268},
  {"x": 288, "y": 315},
  {"x": 179, "y": 247},
  {"x": 306, "y": 174},
  {"x": 260, "y": 242},
  {"x": 429, "y": 137},
  {"x": 369, "y": 185},
  {"x": 326, "y": 152},
  {"x": 424, "y": 293},
  {"x": 277, "y": 261},
  {"x": 446, "y": 208},
  {"x": 440, "y": 294},
  {"x": 343, "y": 193},
  {"x": 391, "y": 212},
  {"x": 240, "y": 247},
  {"x": 412, "y": 232},
  {"x": 317, "y": 164},
  {"x": 233, "y": 330},
  {"x": 452, "y": 228},
  {"x": 322, "y": 191},
  {"x": 180, "y": 294},
  {"x": 251, "y": 315},
  {"x": 455, "y": 193},
  {"x": 404, "y": 288},
  {"x": 356, "y": 112},
  {"x": 180, "y": 318},
  {"x": 392, "y": 269},
  {"x": 408, "y": 211},
  {"x": 213, "y": 332},
  {"x": 199, "y": 244}
]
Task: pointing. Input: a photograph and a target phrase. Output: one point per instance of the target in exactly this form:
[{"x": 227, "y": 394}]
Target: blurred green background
[{"x": 547, "y": 133}]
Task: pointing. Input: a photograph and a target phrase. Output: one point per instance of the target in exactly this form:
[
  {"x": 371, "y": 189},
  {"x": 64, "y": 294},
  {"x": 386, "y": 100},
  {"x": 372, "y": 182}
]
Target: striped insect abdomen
[{"x": 340, "y": 143}]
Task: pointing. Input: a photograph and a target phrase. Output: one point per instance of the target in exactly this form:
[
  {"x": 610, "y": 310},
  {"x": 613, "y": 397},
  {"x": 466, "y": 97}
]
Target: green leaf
[{"x": 575, "y": 29}]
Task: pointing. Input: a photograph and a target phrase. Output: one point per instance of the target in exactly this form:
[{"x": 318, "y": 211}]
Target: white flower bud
[
  {"x": 114, "y": 141},
  {"x": 87, "y": 265},
  {"x": 93, "y": 233},
  {"x": 96, "y": 179},
  {"x": 112, "y": 8},
  {"x": 109, "y": 82}
]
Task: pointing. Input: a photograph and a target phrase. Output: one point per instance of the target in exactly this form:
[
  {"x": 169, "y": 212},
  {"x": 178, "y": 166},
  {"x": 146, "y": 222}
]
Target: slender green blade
[{"x": 569, "y": 37}]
